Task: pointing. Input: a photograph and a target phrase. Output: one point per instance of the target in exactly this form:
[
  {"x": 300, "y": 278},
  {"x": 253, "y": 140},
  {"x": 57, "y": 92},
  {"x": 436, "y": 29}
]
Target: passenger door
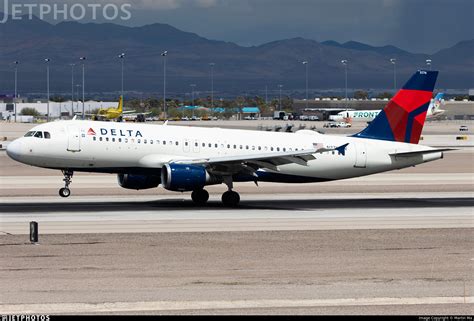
[{"x": 74, "y": 138}]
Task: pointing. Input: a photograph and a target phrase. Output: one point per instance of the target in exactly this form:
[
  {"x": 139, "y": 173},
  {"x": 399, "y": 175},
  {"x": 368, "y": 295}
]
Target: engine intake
[
  {"x": 138, "y": 182},
  {"x": 182, "y": 177}
]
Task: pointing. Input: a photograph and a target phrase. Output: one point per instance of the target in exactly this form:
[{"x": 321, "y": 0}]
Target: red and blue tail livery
[{"x": 403, "y": 118}]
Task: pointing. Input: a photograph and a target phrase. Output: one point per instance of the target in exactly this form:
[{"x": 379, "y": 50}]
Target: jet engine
[
  {"x": 137, "y": 182},
  {"x": 182, "y": 177}
]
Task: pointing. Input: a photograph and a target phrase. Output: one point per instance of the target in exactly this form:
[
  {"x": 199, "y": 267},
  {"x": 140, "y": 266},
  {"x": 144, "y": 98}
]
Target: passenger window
[
  {"x": 235, "y": 146},
  {"x": 47, "y": 135},
  {"x": 144, "y": 141},
  {"x": 203, "y": 144},
  {"x": 139, "y": 140},
  {"x": 177, "y": 143},
  {"x": 247, "y": 147},
  {"x": 94, "y": 138},
  {"x": 29, "y": 134},
  {"x": 120, "y": 140},
  {"x": 113, "y": 139},
  {"x": 278, "y": 149},
  {"x": 151, "y": 141},
  {"x": 39, "y": 134},
  {"x": 253, "y": 147},
  {"x": 259, "y": 148},
  {"x": 284, "y": 149},
  {"x": 186, "y": 144},
  {"x": 210, "y": 145},
  {"x": 164, "y": 142},
  {"x": 100, "y": 139},
  {"x": 196, "y": 144},
  {"x": 228, "y": 146},
  {"x": 271, "y": 148},
  {"x": 215, "y": 145},
  {"x": 126, "y": 140},
  {"x": 241, "y": 146}
]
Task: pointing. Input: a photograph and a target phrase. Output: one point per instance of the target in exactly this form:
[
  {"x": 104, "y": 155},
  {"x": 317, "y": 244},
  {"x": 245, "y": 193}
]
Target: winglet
[{"x": 342, "y": 149}]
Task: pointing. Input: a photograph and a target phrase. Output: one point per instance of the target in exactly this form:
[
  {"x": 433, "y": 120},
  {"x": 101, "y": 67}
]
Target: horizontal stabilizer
[{"x": 421, "y": 152}]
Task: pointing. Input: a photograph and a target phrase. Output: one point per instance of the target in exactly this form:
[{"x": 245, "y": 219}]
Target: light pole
[
  {"x": 72, "y": 88},
  {"x": 344, "y": 62},
  {"x": 121, "y": 57},
  {"x": 192, "y": 93},
  {"x": 47, "y": 60},
  {"x": 212, "y": 83},
  {"x": 16, "y": 82},
  {"x": 394, "y": 63},
  {"x": 266, "y": 95},
  {"x": 305, "y": 63},
  {"x": 83, "y": 85},
  {"x": 164, "y": 54},
  {"x": 77, "y": 95},
  {"x": 280, "y": 96},
  {"x": 428, "y": 63}
]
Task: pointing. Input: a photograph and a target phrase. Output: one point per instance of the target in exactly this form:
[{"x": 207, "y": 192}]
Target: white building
[{"x": 65, "y": 108}]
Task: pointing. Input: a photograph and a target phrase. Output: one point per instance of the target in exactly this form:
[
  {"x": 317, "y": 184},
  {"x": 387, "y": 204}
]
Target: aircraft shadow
[{"x": 282, "y": 204}]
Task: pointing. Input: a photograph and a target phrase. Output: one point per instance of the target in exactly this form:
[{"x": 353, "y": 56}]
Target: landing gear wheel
[
  {"x": 200, "y": 196},
  {"x": 64, "y": 192},
  {"x": 231, "y": 198}
]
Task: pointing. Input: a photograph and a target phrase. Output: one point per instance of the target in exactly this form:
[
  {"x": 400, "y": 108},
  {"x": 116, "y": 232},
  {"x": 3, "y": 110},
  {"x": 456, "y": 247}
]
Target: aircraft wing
[
  {"x": 125, "y": 112},
  {"x": 251, "y": 163}
]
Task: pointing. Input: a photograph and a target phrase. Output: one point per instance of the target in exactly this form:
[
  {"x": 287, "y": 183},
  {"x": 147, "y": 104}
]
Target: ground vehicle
[
  {"x": 463, "y": 128},
  {"x": 343, "y": 124}
]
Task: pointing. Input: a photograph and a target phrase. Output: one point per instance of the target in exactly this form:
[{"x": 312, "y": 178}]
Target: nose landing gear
[{"x": 65, "y": 191}]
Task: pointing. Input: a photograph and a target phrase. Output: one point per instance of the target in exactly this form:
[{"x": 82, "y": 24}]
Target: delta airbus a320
[{"x": 186, "y": 159}]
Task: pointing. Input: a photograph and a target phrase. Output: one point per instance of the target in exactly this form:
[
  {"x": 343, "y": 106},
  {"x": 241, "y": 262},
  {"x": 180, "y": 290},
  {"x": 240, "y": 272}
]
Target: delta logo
[{"x": 91, "y": 132}]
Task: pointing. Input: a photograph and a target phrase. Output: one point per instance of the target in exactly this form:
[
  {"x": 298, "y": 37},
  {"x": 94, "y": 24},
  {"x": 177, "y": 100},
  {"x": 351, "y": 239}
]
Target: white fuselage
[{"x": 124, "y": 147}]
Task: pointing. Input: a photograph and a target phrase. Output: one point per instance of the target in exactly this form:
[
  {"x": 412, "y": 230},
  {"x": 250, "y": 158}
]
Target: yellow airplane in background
[{"x": 111, "y": 113}]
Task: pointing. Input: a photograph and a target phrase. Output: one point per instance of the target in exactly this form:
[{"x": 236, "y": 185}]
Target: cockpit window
[
  {"x": 47, "y": 135},
  {"x": 29, "y": 134},
  {"x": 39, "y": 134}
]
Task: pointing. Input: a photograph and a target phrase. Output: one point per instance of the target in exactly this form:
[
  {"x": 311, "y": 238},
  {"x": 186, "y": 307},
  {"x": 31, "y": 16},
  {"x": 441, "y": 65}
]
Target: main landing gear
[
  {"x": 200, "y": 196},
  {"x": 230, "y": 198},
  {"x": 65, "y": 191}
]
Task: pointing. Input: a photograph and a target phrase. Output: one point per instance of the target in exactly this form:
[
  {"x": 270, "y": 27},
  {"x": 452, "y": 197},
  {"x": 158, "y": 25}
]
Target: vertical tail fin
[
  {"x": 403, "y": 117},
  {"x": 120, "y": 105}
]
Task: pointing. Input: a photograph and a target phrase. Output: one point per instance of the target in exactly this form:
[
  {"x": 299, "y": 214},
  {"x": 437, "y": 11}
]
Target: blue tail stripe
[
  {"x": 411, "y": 119},
  {"x": 379, "y": 129}
]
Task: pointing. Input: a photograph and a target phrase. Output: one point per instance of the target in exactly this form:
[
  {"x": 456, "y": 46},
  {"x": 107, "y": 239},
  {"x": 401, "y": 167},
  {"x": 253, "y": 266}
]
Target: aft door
[
  {"x": 74, "y": 139},
  {"x": 361, "y": 155}
]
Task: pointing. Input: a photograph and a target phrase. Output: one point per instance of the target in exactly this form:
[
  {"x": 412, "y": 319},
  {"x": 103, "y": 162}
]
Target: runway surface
[{"x": 256, "y": 213}]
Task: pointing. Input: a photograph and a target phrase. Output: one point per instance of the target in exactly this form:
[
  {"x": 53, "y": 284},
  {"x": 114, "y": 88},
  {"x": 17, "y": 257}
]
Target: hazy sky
[{"x": 415, "y": 25}]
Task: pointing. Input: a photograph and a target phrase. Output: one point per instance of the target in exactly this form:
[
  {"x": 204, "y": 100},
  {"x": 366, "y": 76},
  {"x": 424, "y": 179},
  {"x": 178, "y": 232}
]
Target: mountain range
[{"x": 237, "y": 68}]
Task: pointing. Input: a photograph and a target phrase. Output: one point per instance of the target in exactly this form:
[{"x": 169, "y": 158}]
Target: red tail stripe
[{"x": 410, "y": 100}]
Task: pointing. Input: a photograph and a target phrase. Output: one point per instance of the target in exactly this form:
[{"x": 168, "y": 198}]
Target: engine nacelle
[
  {"x": 182, "y": 177},
  {"x": 137, "y": 182}
]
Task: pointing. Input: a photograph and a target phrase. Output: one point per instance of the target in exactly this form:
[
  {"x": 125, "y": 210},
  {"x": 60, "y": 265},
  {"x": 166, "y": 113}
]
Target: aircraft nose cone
[{"x": 15, "y": 150}]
